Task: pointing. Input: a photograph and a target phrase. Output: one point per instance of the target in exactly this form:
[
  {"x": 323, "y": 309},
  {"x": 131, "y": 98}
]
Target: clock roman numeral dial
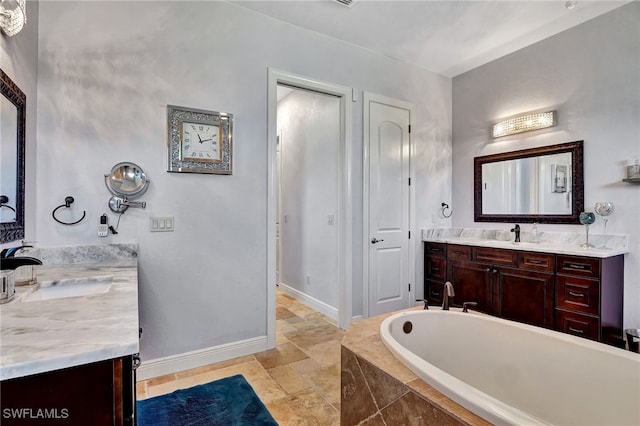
[{"x": 200, "y": 142}]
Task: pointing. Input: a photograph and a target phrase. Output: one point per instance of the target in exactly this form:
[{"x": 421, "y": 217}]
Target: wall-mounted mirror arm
[{"x": 126, "y": 182}]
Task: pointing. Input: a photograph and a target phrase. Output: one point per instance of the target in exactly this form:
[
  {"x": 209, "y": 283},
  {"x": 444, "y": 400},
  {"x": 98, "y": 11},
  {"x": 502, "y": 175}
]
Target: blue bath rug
[{"x": 226, "y": 402}]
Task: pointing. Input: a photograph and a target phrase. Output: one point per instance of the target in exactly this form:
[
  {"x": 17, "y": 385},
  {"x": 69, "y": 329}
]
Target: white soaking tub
[{"x": 514, "y": 374}]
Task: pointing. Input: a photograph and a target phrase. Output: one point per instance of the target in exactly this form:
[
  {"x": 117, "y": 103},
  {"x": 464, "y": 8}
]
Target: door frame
[
  {"x": 397, "y": 103},
  {"x": 345, "y": 207}
]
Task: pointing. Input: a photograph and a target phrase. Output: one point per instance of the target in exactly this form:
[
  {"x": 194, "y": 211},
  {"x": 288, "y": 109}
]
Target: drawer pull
[
  {"x": 535, "y": 262},
  {"x": 459, "y": 252},
  {"x": 435, "y": 269},
  {"x": 574, "y": 294},
  {"x": 434, "y": 250},
  {"x": 436, "y": 293},
  {"x": 575, "y": 330},
  {"x": 574, "y": 266}
]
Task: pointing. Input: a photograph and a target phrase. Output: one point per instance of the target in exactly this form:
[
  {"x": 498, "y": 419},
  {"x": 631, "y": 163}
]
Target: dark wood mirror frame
[
  {"x": 13, "y": 231},
  {"x": 577, "y": 184}
]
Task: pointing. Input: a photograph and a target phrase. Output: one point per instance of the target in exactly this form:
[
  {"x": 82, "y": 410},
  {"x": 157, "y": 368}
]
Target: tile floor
[{"x": 298, "y": 381}]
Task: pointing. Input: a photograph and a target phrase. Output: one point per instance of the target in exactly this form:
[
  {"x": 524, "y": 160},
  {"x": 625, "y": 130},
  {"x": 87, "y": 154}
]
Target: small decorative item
[
  {"x": 587, "y": 218},
  {"x": 199, "y": 141},
  {"x": 558, "y": 178},
  {"x": 633, "y": 169},
  {"x": 604, "y": 209}
]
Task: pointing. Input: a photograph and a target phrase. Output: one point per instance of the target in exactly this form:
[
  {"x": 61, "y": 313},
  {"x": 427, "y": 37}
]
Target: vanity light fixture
[
  {"x": 524, "y": 123},
  {"x": 12, "y": 19}
]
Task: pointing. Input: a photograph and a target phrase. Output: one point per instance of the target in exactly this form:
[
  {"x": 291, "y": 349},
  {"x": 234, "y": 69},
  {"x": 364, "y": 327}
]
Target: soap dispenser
[{"x": 534, "y": 233}]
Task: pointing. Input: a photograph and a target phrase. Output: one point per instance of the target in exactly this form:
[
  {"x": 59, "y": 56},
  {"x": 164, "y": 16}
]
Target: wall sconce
[
  {"x": 12, "y": 19},
  {"x": 524, "y": 123}
]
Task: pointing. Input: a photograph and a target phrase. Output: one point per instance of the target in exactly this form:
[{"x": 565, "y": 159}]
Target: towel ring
[
  {"x": 67, "y": 203},
  {"x": 445, "y": 206}
]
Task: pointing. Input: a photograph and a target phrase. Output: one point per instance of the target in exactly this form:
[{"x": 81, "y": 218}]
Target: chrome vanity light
[{"x": 126, "y": 181}]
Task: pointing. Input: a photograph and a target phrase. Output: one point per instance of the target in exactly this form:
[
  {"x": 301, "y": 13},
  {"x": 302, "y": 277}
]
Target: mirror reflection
[
  {"x": 534, "y": 185},
  {"x": 12, "y": 159},
  {"x": 8, "y": 160},
  {"x": 543, "y": 184}
]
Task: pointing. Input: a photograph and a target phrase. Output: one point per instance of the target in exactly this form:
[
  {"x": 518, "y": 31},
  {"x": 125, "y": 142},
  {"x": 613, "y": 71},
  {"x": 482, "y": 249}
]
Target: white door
[{"x": 389, "y": 150}]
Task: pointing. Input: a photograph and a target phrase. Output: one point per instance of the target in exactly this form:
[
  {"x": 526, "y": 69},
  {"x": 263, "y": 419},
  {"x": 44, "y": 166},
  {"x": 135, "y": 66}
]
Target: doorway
[{"x": 337, "y": 219}]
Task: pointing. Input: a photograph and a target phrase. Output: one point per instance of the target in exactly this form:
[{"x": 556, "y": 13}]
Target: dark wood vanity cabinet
[
  {"x": 572, "y": 294},
  {"x": 589, "y": 297},
  {"x": 494, "y": 279},
  {"x": 435, "y": 271},
  {"x": 100, "y": 393}
]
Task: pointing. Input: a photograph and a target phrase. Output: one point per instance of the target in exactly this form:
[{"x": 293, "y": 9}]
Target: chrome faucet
[
  {"x": 446, "y": 294},
  {"x": 516, "y": 229}
]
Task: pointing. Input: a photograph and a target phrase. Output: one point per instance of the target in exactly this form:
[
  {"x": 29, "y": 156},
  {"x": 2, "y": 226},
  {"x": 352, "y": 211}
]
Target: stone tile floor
[{"x": 298, "y": 381}]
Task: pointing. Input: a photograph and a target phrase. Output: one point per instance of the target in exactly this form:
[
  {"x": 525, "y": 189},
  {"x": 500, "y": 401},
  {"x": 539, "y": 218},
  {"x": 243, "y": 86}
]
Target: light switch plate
[{"x": 161, "y": 224}]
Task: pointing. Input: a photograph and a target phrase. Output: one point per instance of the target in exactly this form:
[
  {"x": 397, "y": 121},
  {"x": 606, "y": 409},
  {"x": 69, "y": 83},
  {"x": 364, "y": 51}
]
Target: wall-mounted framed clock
[{"x": 199, "y": 141}]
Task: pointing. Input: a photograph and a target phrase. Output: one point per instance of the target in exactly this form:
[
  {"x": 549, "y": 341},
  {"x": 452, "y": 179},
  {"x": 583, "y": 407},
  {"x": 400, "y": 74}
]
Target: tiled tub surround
[
  {"x": 41, "y": 336},
  {"x": 377, "y": 389},
  {"x": 549, "y": 242}
]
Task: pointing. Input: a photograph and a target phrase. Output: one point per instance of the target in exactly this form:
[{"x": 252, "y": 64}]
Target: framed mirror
[
  {"x": 12, "y": 159},
  {"x": 544, "y": 185}
]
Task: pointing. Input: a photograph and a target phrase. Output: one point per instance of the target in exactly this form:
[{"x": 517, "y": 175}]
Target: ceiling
[{"x": 446, "y": 37}]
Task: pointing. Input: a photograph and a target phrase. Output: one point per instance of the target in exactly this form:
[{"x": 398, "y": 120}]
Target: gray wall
[
  {"x": 309, "y": 128},
  {"x": 107, "y": 70},
  {"x": 591, "y": 75},
  {"x": 19, "y": 59}
]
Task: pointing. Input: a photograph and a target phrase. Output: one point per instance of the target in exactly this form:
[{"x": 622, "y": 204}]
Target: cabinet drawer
[
  {"x": 581, "y": 266},
  {"x": 434, "y": 292},
  {"x": 458, "y": 252},
  {"x": 578, "y": 294},
  {"x": 435, "y": 268},
  {"x": 495, "y": 256},
  {"x": 537, "y": 261},
  {"x": 576, "y": 324},
  {"x": 435, "y": 249}
]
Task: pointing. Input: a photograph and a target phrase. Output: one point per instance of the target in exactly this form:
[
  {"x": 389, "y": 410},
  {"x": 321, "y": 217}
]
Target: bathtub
[{"x": 514, "y": 374}]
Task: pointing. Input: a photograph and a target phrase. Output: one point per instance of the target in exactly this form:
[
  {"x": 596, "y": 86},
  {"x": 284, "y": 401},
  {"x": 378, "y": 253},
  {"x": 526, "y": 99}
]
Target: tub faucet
[
  {"x": 516, "y": 229},
  {"x": 446, "y": 294}
]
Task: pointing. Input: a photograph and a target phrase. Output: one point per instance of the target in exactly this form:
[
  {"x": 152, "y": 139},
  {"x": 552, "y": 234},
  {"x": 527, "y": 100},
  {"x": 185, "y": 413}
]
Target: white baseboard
[
  {"x": 198, "y": 358},
  {"x": 310, "y": 301},
  {"x": 356, "y": 318}
]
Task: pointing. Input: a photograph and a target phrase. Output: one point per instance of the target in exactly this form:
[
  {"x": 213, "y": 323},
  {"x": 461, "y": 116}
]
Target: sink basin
[{"x": 75, "y": 287}]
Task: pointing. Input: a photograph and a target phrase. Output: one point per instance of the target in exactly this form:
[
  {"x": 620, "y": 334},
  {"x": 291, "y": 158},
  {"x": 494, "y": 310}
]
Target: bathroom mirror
[
  {"x": 12, "y": 158},
  {"x": 126, "y": 181},
  {"x": 543, "y": 185}
]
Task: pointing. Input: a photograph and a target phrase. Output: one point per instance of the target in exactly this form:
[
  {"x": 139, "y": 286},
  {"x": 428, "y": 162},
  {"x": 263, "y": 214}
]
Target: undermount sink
[{"x": 73, "y": 287}]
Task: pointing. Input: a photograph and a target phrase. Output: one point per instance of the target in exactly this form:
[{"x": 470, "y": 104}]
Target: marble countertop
[
  {"x": 41, "y": 336},
  {"x": 557, "y": 243}
]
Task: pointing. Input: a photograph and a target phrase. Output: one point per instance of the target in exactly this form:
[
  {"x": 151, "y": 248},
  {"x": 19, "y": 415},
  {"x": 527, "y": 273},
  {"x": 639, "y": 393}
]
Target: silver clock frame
[{"x": 177, "y": 115}]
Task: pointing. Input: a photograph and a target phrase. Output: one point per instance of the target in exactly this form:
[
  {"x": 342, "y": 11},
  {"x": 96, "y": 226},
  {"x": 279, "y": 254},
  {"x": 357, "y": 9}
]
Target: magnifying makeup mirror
[{"x": 126, "y": 181}]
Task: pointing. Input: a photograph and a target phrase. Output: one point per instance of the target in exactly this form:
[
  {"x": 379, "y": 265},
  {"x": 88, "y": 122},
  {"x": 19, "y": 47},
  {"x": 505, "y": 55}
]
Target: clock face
[{"x": 200, "y": 142}]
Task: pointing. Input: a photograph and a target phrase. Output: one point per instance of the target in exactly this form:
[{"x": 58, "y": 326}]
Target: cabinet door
[
  {"x": 524, "y": 296},
  {"x": 472, "y": 283}
]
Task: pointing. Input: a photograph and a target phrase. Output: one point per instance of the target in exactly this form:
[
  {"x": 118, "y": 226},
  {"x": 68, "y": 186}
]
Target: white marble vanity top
[
  {"x": 556, "y": 242},
  {"x": 45, "y": 335}
]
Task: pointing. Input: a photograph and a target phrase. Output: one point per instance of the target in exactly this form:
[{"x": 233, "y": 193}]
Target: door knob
[{"x": 375, "y": 240}]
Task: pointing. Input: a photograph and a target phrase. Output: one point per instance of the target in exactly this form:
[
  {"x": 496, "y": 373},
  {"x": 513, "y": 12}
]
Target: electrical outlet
[
  {"x": 103, "y": 226},
  {"x": 308, "y": 280},
  {"x": 330, "y": 219}
]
